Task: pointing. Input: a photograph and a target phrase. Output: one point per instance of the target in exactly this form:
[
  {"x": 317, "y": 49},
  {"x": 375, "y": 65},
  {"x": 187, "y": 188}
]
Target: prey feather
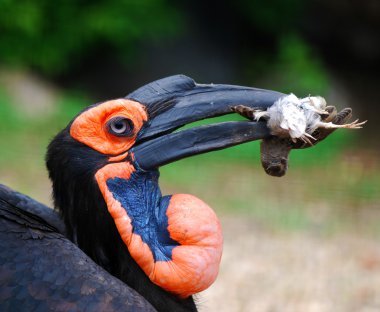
[{"x": 294, "y": 118}]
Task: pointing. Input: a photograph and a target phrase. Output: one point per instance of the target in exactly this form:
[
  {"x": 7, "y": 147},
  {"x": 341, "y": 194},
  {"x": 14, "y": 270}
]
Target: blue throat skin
[{"x": 141, "y": 197}]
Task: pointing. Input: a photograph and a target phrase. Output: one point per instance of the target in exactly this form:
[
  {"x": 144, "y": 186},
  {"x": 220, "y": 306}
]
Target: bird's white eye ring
[{"x": 120, "y": 126}]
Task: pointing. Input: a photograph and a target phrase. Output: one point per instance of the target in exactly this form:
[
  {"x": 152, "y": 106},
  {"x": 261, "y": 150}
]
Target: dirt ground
[{"x": 263, "y": 271}]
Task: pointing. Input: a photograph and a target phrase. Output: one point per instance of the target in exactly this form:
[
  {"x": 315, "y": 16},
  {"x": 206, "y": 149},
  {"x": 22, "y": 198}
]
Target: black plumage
[{"x": 42, "y": 270}]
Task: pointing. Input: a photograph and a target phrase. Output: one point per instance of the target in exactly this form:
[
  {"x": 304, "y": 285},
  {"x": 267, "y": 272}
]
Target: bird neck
[
  {"x": 176, "y": 240},
  {"x": 134, "y": 201},
  {"x": 91, "y": 226}
]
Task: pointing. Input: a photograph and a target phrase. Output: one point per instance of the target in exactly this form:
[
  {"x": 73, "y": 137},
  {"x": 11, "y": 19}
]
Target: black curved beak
[{"x": 175, "y": 101}]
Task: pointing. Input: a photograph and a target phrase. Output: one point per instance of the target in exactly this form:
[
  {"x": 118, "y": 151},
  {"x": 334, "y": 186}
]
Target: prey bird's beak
[{"x": 176, "y": 101}]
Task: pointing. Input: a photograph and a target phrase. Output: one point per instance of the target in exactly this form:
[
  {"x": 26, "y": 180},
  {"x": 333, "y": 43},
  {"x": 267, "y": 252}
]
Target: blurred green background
[{"x": 57, "y": 57}]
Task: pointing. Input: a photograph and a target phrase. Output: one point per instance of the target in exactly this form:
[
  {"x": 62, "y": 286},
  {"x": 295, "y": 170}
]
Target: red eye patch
[{"x": 90, "y": 127}]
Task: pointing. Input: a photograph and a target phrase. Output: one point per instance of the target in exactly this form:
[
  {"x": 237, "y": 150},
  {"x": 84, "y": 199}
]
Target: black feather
[
  {"x": 72, "y": 167},
  {"x": 41, "y": 270}
]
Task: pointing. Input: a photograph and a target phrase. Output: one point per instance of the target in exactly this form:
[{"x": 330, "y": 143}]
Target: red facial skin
[
  {"x": 192, "y": 223},
  {"x": 90, "y": 126}
]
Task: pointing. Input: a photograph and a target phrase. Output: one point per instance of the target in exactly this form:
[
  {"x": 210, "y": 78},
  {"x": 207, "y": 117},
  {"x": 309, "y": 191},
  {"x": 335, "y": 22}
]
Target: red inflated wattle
[
  {"x": 195, "y": 263},
  {"x": 192, "y": 223}
]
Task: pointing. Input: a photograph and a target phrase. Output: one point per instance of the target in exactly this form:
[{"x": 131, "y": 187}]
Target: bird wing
[
  {"x": 41, "y": 270},
  {"x": 32, "y": 206}
]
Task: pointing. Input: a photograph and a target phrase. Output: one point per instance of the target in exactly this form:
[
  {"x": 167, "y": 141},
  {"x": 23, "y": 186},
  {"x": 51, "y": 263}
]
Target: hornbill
[{"x": 117, "y": 243}]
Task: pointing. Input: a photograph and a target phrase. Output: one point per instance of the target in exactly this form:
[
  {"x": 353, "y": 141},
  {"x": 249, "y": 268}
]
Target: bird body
[
  {"x": 117, "y": 243},
  {"x": 112, "y": 216},
  {"x": 286, "y": 117},
  {"x": 42, "y": 270}
]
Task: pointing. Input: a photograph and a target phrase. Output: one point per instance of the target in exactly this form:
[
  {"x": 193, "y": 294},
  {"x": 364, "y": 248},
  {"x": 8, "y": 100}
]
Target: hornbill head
[{"x": 104, "y": 169}]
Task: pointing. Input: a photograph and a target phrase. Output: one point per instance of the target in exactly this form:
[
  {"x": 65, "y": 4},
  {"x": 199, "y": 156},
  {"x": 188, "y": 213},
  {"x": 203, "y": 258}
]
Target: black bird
[
  {"x": 138, "y": 251},
  {"x": 42, "y": 270}
]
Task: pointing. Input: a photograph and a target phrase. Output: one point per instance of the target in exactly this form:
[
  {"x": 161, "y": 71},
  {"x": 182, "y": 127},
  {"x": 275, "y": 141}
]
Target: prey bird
[
  {"x": 297, "y": 119},
  {"x": 113, "y": 242},
  {"x": 295, "y": 123}
]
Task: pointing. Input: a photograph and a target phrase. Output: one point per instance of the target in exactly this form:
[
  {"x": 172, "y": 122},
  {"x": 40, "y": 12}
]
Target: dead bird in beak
[{"x": 294, "y": 123}]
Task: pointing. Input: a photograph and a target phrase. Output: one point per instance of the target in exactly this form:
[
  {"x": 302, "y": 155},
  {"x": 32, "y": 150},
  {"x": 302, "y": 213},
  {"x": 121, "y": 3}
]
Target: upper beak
[{"x": 175, "y": 101}]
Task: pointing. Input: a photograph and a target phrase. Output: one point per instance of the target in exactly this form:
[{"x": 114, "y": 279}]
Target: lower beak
[{"x": 176, "y": 101}]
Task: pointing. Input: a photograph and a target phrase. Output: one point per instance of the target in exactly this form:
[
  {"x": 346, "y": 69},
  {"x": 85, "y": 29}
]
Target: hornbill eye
[{"x": 120, "y": 126}]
